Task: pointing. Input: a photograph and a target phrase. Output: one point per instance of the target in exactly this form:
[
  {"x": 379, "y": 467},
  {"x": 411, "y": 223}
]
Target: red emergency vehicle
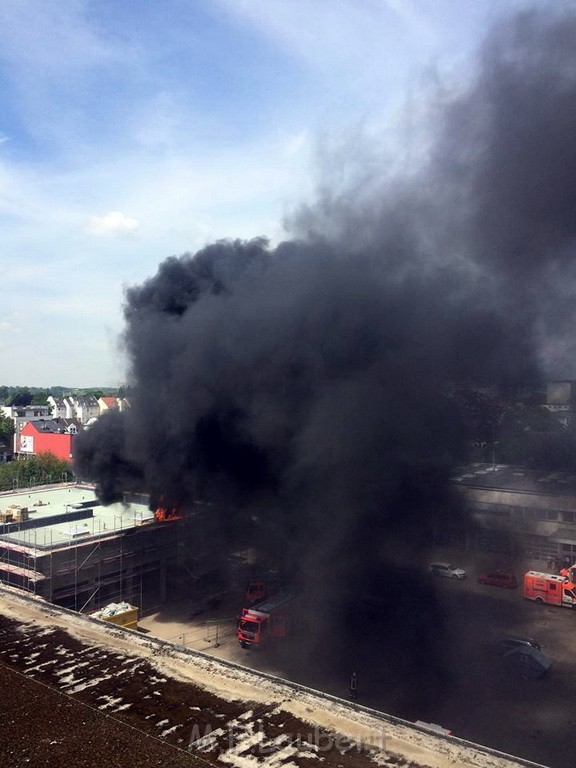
[
  {"x": 549, "y": 588},
  {"x": 569, "y": 573},
  {"x": 258, "y": 624}
]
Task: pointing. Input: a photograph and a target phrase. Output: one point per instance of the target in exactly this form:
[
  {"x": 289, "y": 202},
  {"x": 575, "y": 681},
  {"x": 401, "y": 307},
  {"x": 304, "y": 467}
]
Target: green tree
[
  {"x": 22, "y": 396},
  {"x": 97, "y": 393},
  {"x": 6, "y": 432},
  {"x": 44, "y": 469},
  {"x": 40, "y": 396}
]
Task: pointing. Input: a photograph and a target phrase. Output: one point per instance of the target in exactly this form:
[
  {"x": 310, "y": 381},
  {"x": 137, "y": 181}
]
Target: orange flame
[{"x": 163, "y": 514}]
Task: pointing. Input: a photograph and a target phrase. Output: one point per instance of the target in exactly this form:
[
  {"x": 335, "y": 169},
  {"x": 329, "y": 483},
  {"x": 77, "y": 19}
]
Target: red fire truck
[
  {"x": 258, "y": 624},
  {"x": 549, "y": 588}
]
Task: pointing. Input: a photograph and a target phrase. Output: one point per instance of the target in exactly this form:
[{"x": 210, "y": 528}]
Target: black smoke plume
[{"x": 308, "y": 388}]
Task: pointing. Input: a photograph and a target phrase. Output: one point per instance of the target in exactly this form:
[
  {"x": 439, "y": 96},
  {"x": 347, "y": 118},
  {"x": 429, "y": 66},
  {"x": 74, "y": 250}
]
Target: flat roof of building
[
  {"x": 504, "y": 477},
  {"x": 61, "y": 507}
]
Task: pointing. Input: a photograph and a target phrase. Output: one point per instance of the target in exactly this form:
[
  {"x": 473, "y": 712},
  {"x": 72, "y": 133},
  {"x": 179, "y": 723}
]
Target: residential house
[
  {"x": 112, "y": 403},
  {"x": 85, "y": 408},
  {"x": 58, "y": 407},
  {"x": 71, "y": 407},
  {"x": 49, "y": 436},
  {"x": 21, "y": 415}
]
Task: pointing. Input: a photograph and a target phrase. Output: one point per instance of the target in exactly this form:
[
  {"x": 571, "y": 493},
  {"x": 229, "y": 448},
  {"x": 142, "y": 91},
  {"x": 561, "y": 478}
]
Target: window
[{"x": 249, "y": 626}]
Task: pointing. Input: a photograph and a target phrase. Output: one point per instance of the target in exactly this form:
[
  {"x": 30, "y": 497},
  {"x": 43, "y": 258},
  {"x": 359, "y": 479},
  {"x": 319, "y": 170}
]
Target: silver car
[{"x": 447, "y": 570}]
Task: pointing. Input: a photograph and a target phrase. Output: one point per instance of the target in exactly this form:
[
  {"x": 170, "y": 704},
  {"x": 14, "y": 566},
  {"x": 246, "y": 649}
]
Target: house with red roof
[{"x": 112, "y": 403}]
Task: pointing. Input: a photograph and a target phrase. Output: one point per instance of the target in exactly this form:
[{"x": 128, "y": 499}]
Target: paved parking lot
[
  {"x": 532, "y": 718},
  {"x": 478, "y": 699}
]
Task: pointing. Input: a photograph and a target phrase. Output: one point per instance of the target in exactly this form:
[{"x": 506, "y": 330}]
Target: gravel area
[
  {"x": 62, "y": 698},
  {"x": 41, "y": 728}
]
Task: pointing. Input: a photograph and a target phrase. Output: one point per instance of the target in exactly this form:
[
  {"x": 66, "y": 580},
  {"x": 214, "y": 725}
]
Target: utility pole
[{"x": 493, "y": 447}]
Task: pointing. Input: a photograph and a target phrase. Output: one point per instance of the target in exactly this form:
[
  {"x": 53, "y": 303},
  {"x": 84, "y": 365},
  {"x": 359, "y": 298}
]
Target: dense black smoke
[
  {"x": 308, "y": 388},
  {"x": 509, "y": 154}
]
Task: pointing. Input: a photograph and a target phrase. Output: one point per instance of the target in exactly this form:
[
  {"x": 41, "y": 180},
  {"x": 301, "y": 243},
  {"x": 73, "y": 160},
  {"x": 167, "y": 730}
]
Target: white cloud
[{"x": 112, "y": 223}]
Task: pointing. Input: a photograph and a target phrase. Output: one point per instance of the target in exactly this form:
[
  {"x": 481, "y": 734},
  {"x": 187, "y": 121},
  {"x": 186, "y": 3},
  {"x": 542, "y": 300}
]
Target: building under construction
[{"x": 60, "y": 543}]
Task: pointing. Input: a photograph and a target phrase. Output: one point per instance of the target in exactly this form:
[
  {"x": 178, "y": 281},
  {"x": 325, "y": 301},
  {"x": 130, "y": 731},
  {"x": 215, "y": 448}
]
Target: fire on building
[{"x": 60, "y": 543}]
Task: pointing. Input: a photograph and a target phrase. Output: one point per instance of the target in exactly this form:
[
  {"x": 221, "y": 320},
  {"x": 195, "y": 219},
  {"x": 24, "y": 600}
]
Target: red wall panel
[{"x": 48, "y": 442}]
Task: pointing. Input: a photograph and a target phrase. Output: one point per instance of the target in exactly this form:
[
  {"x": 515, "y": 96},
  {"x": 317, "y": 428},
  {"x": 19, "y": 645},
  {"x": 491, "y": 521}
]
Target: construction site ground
[{"x": 481, "y": 701}]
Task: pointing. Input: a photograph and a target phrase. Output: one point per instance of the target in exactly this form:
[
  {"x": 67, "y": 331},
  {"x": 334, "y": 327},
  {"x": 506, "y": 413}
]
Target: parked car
[
  {"x": 498, "y": 579},
  {"x": 527, "y": 661},
  {"x": 507, "y": 643},
  {"x": 447, "y": 571}
]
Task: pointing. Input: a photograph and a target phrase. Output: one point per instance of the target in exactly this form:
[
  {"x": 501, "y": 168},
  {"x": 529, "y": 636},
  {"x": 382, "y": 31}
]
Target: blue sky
[{"x": 132, "y": 130}]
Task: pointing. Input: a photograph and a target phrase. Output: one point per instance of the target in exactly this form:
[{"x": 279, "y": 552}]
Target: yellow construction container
[
  {"x": 121, "y": 614},
  {"x": 128, "y": 619}
]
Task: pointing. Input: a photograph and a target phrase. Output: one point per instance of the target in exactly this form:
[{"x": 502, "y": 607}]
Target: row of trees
[
  {"x": 21, "y": 396},
  {"x": 44, "y": 469}
]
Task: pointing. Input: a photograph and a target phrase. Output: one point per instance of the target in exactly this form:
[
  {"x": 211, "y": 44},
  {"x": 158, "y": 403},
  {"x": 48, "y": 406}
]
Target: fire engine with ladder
[{"x": 550, "y": 588}]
